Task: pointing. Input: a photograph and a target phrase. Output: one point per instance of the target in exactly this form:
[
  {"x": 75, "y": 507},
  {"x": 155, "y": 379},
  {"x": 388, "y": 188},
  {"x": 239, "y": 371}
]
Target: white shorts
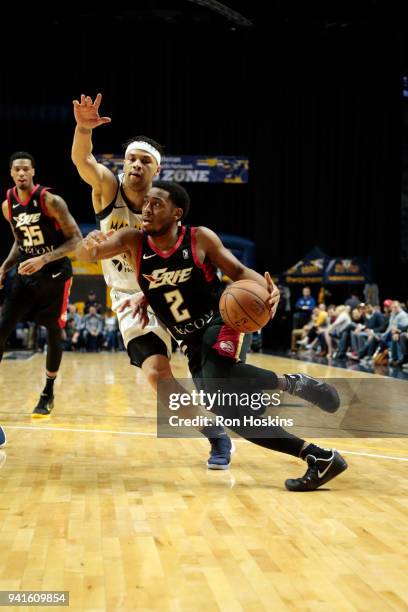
[{"x": 130, "y": 326}]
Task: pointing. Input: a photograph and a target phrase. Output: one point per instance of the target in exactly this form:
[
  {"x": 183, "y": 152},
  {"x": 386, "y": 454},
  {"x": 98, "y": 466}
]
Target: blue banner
[
  {"x": 192, "y": 168},
  {"x": 308, "y": 270},
  {"x": 346, "y": 270}
]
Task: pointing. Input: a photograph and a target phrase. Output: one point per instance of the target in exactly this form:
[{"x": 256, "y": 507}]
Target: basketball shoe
[
  {"x": 220, "y": 455},
  {"x": 319, "y": 472},
  {"x": 314, "y": 391},
  {"x": 3, "y": 438},
  {"x": 44, "y": 406}
]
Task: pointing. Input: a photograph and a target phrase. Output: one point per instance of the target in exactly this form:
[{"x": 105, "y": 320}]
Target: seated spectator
[
  {"x": 72, "y": 331},
  {"x": 374, "y": 324},
  {"x": 41, "y": 338},
  {"x": 111, "y": 331},
  {"x": 398, "y": 321},
  {"x": 353, "y": 301},
  {"x": 92, "y": 326},
  {"x": 92, "y": 301},
  {"x": 365, "y": 353},
  {"x": 357, "y": 323},
  {"x": 335, "y": 329},
  {"x": 321, "y": 345},
  {"x": 403, "y": 350},
  {"x": 310, "y": 330}
]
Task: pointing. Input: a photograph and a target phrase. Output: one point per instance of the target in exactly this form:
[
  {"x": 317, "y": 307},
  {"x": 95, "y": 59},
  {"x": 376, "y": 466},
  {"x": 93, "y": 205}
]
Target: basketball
[{"x": 243, "y": 306}]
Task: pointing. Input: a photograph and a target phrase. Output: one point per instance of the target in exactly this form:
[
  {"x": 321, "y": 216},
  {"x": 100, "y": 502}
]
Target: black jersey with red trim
[
  {"x": 35, "y": 230},
  {"x": 183, "y": 292}
]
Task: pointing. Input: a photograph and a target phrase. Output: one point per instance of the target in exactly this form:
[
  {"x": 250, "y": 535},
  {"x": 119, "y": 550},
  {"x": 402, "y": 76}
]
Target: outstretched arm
[
  {"x": 95, "y": 247},
  {"x": 87, "y": 117},
  {"x": 58, "y": 210}
]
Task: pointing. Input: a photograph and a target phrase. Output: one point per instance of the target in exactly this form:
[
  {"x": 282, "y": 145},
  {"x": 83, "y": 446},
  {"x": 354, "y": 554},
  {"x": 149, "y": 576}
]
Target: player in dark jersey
[
  {"x": 117, "y": 202},
  {"x": 176, "y": 271},
  {"x": 44, "y": 232}
]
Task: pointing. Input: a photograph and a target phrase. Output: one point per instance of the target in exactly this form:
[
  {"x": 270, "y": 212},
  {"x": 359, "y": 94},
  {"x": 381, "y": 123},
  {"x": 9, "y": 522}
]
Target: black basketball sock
[
  {"x": 317, "y": 451},
  {"x": 49, "y": 386},
  {"x": 288, "y": 444}
]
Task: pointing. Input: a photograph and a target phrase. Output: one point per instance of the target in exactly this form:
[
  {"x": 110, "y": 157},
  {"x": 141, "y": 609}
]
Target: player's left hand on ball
[{"x": 274, "y": 293}]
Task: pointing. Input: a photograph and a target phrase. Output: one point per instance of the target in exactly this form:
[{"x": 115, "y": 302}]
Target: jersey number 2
[{"x": 176, "y": 300}]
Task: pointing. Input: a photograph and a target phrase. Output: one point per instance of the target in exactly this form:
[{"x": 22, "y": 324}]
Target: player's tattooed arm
[
  {"x": 11, "y": 258},
  {"x": 58, "y": 210}
]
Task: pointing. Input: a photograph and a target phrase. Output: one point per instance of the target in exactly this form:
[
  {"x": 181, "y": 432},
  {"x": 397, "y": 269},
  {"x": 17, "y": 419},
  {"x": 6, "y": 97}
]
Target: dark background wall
[{"x": 314, "y": 101}]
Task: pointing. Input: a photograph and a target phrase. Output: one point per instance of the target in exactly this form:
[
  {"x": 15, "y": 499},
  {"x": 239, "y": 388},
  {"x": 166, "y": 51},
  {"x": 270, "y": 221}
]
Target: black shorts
[
  {"x": 41, "y": 297},
  {"x": 142, "y": 347},
  {"x": 218, "y": 344}
]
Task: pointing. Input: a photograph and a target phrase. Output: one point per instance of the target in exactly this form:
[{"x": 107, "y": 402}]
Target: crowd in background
[{"x": 355, "y": 331}]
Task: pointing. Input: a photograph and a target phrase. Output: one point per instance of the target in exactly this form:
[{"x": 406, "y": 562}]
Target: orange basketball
[{"x": 243, "y": 306}]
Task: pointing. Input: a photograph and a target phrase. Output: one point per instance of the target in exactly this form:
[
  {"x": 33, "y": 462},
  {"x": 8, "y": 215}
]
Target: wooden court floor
[{"x": 93, "y": 503}]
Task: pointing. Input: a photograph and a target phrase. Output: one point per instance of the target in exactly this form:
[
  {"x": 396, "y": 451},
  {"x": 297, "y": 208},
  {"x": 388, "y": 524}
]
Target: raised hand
[
  {"x": 274, "y": 293},
  {"x": 86, "y": 112}
]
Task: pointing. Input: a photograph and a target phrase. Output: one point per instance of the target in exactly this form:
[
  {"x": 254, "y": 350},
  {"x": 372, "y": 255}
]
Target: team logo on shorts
[{"x": 227, "y": 346}]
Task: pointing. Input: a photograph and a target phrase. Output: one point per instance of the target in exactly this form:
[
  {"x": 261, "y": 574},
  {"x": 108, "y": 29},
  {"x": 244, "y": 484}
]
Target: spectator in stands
[
  {"x": 321, "y": 345},
  {"x": 335, "y": 329},
  {"x": 300, "y": 335},
  {"x": 92, "y": 330},
  {"x": 371, "y": 293},
  {"x": 111, "y": 331},
  {"x": 41, "y": 338},
  {"x": 303, "y": 309},
  {"x": 398, "y": 322},
  {"x": 353, "y": 301},
  {"x": 374, "y": 325},
  {"x": 403, "y": 341},
  {"x": 398, "y": 334},
  {"x": 357, "y": 323},
  {"x": 72, "y": 336},
  {"x": 365, "y": 353},
  {"x": 318, "y": 321},
  {"x": 92, "y": 301}
]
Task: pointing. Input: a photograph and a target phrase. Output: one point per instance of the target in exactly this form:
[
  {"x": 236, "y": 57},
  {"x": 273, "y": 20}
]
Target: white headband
[{"x": 144, "y": 146}]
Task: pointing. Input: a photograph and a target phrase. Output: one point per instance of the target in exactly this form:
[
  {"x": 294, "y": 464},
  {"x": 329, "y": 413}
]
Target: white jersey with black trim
[{"x": 118, "y": 271}]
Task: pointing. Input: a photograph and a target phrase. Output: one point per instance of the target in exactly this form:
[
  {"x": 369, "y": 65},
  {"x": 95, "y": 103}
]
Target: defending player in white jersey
[{"x": 117, "y": 203}]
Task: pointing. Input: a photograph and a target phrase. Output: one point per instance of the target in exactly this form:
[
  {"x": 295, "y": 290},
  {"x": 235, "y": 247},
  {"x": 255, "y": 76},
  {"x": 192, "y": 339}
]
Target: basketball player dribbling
[
  {"x": 117, "y": 202},
  {"x": 44, "y": 232},
  {"x": 176, "y": 270}
]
